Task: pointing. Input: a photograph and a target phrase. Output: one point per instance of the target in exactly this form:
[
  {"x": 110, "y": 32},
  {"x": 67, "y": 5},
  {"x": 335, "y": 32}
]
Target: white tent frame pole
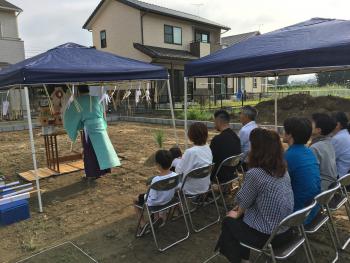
[
  {"x": 185, "y": 113},
  {"x": 276, "y": 106},
  {"x": 172, "y": 112},
  {"x": 30, "y": 127}
]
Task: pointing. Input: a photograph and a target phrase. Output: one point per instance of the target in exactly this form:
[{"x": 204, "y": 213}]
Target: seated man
[
  {"x": 224, "y": 145},
  {"x": 341, "y": 143},
  {"x": 303, "y": 166},
  {"x": 247, "y": 118},
  {"x": 322, "y": 147}
]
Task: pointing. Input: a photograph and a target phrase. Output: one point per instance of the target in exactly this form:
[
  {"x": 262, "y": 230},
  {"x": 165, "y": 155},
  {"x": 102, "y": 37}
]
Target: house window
[
  {"x": 172, "y": 35},
  {"x": 103, "y": 38},
  {"x": 202, "y": 37},
  {"x": 255, "y": 83}
]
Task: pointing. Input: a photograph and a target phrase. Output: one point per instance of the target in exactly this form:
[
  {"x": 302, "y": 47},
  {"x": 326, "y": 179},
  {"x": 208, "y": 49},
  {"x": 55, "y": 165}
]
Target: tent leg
[
  {"x": 30, "y": 127},
  {"x": 185, "y": 111},
  {"x": 172, "y": 112},
  {"x": 276, "y": 119}
]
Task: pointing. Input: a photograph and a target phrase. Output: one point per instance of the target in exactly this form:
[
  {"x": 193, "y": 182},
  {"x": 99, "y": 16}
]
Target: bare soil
[
  {"x": 99, "y": 217},
  {"x": 300, "y": 105}
]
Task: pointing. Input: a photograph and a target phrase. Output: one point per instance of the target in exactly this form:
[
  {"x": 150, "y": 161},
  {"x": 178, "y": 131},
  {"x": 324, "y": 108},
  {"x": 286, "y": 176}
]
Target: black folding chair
[
  {"x": 196, "y": 174},
  {"x": 295, "y": 220},
  {"x": 323, "y": 218},
  {"x": 163, "y": 185},
  {"x": 341, "y": 198},
  {"x": 233, "y": 162}
]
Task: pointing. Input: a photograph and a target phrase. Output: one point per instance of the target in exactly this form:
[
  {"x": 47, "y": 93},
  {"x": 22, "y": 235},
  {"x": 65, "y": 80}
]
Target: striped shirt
[{"x": 267, "y": 200}]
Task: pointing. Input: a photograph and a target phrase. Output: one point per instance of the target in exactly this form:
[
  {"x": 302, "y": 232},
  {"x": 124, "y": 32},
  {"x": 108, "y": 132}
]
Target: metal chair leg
[
  {"x": 188, "y": 210},
  {"x": 196, "y": 230},
  {"x": 308, "y": 248},
  {"x": 334, "y": 228},
  {"x": 329, "y": 227},
  {"x": 306, "y": 253},
  {"x": 273, "y": 258},
  {"x": 139, "y": 222},
  {"x": 222, "y": 195},
  {"x": 152, "y": 228},
  {"x": 213, "y": 256}
]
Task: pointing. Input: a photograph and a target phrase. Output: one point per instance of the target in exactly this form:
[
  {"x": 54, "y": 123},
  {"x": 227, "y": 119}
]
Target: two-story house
[
  {"x": 238, "y": 85},
  {"x": 11, "y": 46},
  {"x": 155, "y": 34}
]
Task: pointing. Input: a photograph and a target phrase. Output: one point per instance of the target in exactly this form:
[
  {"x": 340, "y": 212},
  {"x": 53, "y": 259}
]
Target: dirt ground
[
  {"x": 99, "y": 218},
  {"x": 301, "y": 105}
]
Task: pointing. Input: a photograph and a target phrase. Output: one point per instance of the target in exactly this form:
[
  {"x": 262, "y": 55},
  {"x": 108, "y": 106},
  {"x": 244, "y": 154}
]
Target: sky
[{"x": 47, "y": 23}]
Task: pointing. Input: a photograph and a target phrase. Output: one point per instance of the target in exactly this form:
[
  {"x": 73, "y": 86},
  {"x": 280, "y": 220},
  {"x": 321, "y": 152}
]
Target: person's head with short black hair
[
  {"x": 297, "y": 130},
  {"x": 83, "y": 89},
  {"x": 221, "y": 120},
  {"x": 342, "y": 121},
  {"x": 322, "y": 124},
  {"x": 163, "y": 159},
  {"x": 198, "y": 133},
  {"x": 175, "y": 152},
  {"x": 248, "y": 114}
]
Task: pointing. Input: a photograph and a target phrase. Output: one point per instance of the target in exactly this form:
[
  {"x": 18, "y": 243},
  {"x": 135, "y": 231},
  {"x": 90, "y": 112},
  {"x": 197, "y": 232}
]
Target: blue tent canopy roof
[
  {"x": 312, "y": 46},
  {"x": 73, "y": 63}
]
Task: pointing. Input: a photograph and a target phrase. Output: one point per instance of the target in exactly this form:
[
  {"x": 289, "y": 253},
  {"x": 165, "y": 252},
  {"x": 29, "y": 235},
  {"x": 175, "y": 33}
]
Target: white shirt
[
  {"x": 175, "y": 162},
  {"x": 157, "y": 198},
  {"x": 341, "y": 144},
  {"x": 195, "y": 157},
  {"x": 244, "y": 134}
]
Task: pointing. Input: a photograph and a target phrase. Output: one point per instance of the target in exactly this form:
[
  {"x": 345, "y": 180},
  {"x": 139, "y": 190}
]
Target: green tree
[{"x": 336, "y": 77}]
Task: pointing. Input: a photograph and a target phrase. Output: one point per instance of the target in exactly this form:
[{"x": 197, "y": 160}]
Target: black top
[{"x": 224, "y": 145}]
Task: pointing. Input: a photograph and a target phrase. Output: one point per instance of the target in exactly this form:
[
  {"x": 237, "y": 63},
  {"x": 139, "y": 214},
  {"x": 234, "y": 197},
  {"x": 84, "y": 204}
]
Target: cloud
[{"x": 47, "y": 23}]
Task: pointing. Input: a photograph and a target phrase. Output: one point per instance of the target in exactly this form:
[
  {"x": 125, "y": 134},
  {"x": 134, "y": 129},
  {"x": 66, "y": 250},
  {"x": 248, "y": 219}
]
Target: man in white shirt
[
  {"x": 247, "y": 118},
  {"x": 341, "y": 143}
]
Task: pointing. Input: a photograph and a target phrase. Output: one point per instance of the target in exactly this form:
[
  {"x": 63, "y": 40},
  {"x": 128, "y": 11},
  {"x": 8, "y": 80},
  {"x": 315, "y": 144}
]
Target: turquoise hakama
[{"x": 87, "y": 114}]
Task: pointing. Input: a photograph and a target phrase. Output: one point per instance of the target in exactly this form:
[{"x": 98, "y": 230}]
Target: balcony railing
[{"x": 200, "y": 49}]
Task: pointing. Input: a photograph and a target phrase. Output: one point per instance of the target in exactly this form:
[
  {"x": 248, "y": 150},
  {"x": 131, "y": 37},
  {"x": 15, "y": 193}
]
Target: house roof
[
  {"x": 164, "y": 53},
  {"x": 146, "y": 7},
  {"x": 8, "y": 6},
  {"x": 235, "y": 39}
]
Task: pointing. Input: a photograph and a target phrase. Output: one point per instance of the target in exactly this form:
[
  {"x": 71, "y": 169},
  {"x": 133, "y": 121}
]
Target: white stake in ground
[
  {"x": 172, "y": 112},
  {"x": 276, "y": 119},
  {"x": 185, "y": 106}
]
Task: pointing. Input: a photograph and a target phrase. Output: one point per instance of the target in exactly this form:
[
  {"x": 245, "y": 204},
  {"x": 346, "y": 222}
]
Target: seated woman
[
  {"x": 265, "y": 199},
  {"x": 198, "y": 156},
  {"x": 341, "y": 143}
]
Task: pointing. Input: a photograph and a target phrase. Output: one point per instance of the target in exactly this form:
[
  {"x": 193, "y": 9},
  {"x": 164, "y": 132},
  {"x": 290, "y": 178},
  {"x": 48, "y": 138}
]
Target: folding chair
[
  {"x": 195, "y": 174},
  {"x": 323, "y": 218},
  {"x": 163, "y": 185},
  {"x": 234, "y": 162},
  {"x": 295, "y": 220},
  {"x": 340, "y": 200}
]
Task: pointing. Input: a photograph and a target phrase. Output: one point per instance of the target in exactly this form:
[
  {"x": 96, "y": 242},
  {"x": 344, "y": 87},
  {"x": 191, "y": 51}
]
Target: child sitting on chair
[
  {"x": 176, "y": 156},
  {"x": 157, "y": 198}
]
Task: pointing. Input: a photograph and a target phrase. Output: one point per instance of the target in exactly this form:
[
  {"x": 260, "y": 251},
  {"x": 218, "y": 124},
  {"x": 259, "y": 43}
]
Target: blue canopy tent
[
  {"x": 316, "y": 45},
  {"x": 74, "y": 64}
]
